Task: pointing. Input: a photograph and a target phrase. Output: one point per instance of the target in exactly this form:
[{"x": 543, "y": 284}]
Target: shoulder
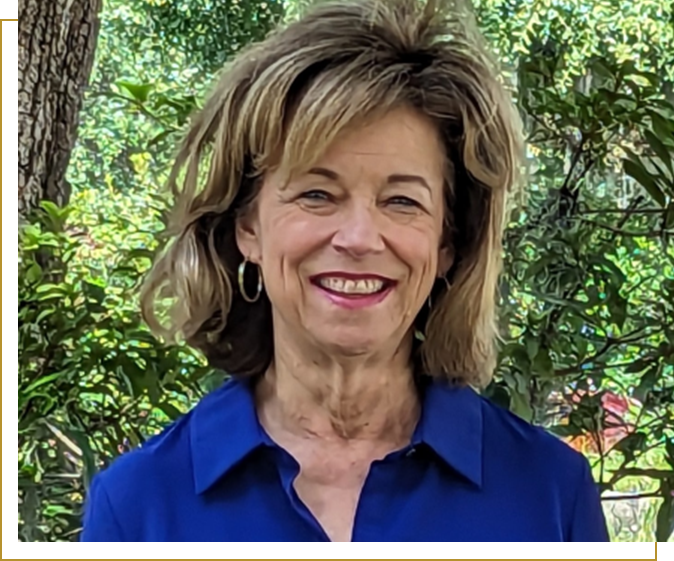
[
  {"x": 509, "y": 438},
  {"x": 538, "y": 469},
  {"x": 168, "y": 455},
  {"x": 142, "y": 476},
  {"x": 541, "y": 472},
  {"x": 145, "y": 470}
]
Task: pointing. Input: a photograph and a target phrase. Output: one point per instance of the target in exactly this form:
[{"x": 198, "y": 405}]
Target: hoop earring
[{"x": 242, "y": 288}]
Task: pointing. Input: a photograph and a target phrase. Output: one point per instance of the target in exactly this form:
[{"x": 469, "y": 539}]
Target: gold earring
[
  {"x": 242, "y": 288},
  {"x": 419, "y": 336}
]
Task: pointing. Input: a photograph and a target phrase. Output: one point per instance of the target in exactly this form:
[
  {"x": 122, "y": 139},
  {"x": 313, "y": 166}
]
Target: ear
[
  {"x": 247, "y": 232},
  {"x": 445, "y": 260}
]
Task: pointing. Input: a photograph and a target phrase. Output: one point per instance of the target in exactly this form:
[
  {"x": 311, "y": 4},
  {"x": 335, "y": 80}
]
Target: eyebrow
[
  {"x": 400, "y": 178},
  {"x": 395, "y": 178}
]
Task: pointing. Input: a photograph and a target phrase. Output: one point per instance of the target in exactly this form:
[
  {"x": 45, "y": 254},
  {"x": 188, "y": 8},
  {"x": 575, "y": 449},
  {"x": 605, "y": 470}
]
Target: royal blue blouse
[{"x": 472, "y": 472}]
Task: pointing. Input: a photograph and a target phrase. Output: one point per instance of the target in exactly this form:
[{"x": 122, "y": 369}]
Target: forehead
[{"x": 402, "y": 138}]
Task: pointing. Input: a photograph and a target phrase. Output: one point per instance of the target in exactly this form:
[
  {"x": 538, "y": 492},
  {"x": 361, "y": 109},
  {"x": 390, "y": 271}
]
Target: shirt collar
[
  {"x": 225, "y": 429},
  {"x": 451, "y": 424}
]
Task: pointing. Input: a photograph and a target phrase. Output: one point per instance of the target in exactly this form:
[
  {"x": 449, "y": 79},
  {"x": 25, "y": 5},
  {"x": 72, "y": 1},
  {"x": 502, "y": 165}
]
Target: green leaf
[
  {"x": 618, "y": 309},
  {"x": 52, "y": 294},
  {"x": 51, "y": 209},
  {"x": 159, "y": 137},
  {"x": 41, "y": 382},
  {"x": 669, "y": 217},
  {"x": 669, "y": 448},
  {"x": 645, "y": 179},
  {"x": 140, "y": 253},
  {"x": 519, "y": 404},
  {"x": 54, "y": 510},
  {"x": 565, "y": 430},
  {"x": 171, "y": 411},
  {"x": 664, "y": 128},
  {"x": 94, "y": 291},
  {"x": 88, "y": 459},
  {"x": 55, "y": 216},
  {"x": 664, "y": 525},
  {"x": 34, "y": 273},
  {"x": 646, "y": 383},
  {"x": 638, "y": 365},
  {"x": 556, "y": 300},
  {"x": 498, "y": 394},
  {"x": 600, "y": 69},
  {"x": 139, "y": 92},
  {"x": 609, "y": 266},
  {"x": 532, "y": 345},
  {"x": 629, "y": 445},
  {"x": 659, "y": 148},
  {"x": 542, "y": 365},
  {"x": 49, "y": 287}
]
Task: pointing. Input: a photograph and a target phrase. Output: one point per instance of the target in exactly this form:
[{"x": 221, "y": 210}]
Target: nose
[{"x": 358, "y": 233}]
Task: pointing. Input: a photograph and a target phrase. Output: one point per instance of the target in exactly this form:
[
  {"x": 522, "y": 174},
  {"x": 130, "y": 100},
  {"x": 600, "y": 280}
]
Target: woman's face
[{"x": 350, "y": 250}]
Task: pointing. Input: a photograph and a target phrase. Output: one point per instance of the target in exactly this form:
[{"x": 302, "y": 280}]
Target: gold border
[{"x": 9, "y": 48}]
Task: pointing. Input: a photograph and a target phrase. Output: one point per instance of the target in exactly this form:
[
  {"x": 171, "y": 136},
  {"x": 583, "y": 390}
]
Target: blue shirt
[{"x": 472, "y": 472}]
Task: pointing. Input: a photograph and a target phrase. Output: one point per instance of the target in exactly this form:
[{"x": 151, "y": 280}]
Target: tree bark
[{"x": 57, "y": 41}]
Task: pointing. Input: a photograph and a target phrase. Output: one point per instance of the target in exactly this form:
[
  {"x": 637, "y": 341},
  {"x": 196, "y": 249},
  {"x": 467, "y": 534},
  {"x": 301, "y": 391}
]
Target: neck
[{"x": 310, "y": 396}]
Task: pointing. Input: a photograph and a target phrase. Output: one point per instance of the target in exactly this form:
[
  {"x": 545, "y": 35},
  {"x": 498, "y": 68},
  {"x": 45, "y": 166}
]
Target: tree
[
  {"x": 57, "y": 41},
  {"x": 587, "y": 294}
]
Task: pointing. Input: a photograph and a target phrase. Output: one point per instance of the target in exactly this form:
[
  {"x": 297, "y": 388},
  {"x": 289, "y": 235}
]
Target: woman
[{"x": 340, "y": 206}]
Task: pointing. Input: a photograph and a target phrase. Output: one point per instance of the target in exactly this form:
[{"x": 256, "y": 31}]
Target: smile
[
  {"x": 353, "y": 291},
  {"x": 349, "y": 286}
]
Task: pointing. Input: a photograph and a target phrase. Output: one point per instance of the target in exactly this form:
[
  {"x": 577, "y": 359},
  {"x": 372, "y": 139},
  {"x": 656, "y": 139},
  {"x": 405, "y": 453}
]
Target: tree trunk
[{"x": 57, "y": 41}]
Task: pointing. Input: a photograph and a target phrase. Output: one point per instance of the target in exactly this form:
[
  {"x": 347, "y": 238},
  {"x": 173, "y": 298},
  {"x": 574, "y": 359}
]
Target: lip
[
  {"x": 353, "y": 302},
  {"x": 350, "y": 276}
]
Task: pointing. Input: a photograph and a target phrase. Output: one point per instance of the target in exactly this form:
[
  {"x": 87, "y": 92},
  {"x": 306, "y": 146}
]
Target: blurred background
[{"x": 105, "y": 89}]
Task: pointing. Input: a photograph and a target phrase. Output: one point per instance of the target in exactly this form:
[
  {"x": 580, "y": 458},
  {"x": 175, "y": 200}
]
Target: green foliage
[
  {"x": 209, "y": 31},
  {"x": 92, "y": 380},
  {"x": 588, "y": 300}
]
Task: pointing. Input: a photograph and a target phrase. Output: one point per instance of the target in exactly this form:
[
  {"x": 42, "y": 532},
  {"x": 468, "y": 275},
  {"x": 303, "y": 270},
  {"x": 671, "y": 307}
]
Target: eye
[
  {"x": 316, "y": 195},
  {"x": 403, "y": 201}
]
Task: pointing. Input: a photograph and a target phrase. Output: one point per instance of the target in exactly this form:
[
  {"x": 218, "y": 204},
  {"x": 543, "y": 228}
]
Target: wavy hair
[{"x": 281, "y": 102}]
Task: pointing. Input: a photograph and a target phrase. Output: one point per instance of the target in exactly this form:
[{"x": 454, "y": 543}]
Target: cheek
[
  {"x": 289, "y": 238},
  {"x": 290, "y": 234},
  {"x": 417, "y": 247}
]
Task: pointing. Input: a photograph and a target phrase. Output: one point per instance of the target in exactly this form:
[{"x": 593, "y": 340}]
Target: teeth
[{"x": 368, "y": 286}]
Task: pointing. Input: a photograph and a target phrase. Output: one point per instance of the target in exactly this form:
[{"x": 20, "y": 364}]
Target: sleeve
[
  {"x": 587, "y": 518},
  {"x": 99, "y": 523}
]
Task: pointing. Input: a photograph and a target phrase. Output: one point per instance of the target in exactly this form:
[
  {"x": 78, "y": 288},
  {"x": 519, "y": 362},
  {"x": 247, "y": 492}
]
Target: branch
[
  {"x": 623, "y": 211},
  {"x": 139, "y": 106},
  {"x": 618, "y": 231},
  {"x": 632, "y": 337},
  {"x": 63, "y": 438},
  {"x": 629, "y": 497},
  {"x": 639, "y": 472},
  {"x": 572, "y": 166}
]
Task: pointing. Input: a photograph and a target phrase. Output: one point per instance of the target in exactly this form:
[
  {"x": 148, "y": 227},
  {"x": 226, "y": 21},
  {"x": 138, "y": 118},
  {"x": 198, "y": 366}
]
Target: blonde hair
[{"x": 281, "y": 103}]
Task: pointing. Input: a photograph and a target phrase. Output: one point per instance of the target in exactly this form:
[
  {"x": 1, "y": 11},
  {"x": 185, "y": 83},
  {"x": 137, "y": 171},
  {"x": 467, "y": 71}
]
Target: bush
[{"x": 93, "y": 382}]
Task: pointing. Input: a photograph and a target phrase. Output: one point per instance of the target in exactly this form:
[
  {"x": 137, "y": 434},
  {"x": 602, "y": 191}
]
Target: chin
[{"x": 352, "y": 343}]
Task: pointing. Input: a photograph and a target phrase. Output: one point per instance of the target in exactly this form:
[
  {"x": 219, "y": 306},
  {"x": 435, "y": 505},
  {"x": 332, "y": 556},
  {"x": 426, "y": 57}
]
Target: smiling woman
[
  {"x": 340, "y": 202},
  {"x": 350, "y": 249}
]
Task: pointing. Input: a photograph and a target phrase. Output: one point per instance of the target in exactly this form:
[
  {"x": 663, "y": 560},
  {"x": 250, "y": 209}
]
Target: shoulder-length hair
[{"x": 281, "y": 102}]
